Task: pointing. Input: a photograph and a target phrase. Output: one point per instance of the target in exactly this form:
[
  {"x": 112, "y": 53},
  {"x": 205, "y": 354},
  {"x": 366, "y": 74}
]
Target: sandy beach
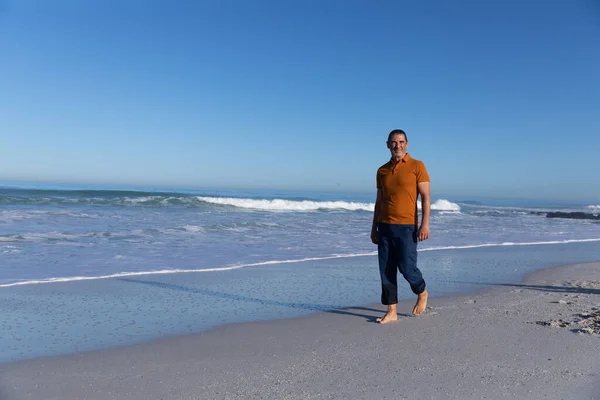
[{"x": 539, "y": 339}]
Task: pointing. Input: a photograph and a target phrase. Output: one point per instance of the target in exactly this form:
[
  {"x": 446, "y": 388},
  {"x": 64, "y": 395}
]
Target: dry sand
[{"x": 535, "y": 340}]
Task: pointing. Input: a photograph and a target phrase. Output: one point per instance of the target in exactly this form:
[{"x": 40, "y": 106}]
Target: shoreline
[
  {"x": 82, "y": 316},
  {"x": 23, "y": 282},
  {"x": 505, "y": 339}
]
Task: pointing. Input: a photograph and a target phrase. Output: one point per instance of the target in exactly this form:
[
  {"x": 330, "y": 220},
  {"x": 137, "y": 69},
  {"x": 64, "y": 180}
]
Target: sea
[{"x": 87, "y": 267}]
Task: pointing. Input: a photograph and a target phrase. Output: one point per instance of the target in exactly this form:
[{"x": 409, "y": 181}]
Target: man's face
[{"x": 397, "y": 145}]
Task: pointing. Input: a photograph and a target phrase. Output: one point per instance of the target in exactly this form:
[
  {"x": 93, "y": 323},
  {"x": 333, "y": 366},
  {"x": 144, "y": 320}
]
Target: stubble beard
[{"x": 397, "y": 156}]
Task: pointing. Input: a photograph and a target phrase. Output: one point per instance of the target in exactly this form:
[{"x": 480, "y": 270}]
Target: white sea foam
[
  {"x": 594, "y": 207},
  {"x": 142, "y": 199},
  {"x": 178, "y": 271},
  {"x": 474, "y": 246},
  {"x": 193, "y": 228},
  {"x": 307, "y": 205},
  {"x": 11, "y": 216},
  {"x": 444, "y": 205},
  {"x": 11, "y": 251},
  {"x": 288, "y": 205},
  {"x": 275, "y": 262}
]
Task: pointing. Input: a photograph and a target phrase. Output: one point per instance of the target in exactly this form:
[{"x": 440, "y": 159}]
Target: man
[{"x": 395, "y": 222}]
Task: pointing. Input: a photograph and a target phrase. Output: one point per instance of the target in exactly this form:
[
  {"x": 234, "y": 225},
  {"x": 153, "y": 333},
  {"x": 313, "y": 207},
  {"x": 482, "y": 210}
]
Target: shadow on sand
[{"x": 233, "y": 297}]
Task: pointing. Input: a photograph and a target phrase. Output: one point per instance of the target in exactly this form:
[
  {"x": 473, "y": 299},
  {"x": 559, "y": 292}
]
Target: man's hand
[
  {"x": 423, "y": 232},
  {"x": 374, "y": 237}
]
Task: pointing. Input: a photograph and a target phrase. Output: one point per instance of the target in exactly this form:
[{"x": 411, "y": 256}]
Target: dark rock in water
[
  {"x": 538, "y": 213},
  {"x": 573, "y": 215}
]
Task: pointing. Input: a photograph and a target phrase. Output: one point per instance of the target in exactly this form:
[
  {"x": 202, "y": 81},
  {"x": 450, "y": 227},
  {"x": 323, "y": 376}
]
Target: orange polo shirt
[{"x": 398, "y": 184}]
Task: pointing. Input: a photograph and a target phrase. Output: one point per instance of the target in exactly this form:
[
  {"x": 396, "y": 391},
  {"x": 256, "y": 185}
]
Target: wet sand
[{"x": 539, "y": 339}]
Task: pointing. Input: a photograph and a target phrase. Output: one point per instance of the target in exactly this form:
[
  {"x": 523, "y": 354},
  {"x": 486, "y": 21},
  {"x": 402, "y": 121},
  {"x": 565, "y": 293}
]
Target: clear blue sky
[{"x": 499, "y": 98}]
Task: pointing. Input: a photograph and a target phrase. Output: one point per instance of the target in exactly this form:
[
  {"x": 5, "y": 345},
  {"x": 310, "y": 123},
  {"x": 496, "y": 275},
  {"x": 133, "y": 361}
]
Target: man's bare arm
[
  {"x": 376, "y": 217},
  {"x": 424, "y": 192}
]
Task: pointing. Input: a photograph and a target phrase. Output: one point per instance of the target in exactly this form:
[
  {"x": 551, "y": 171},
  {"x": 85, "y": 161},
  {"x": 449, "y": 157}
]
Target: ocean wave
[
  {"x": 135, "y": 234},
  {"x": 131, "y": 198},
  {"x": 594, "y": 208},
  {"x": 179, "y": 271},
  {"x": 475, "y": 246},
  {"x": 444, "y": 205},
  {"x": 287, "y": 205},
  {"x": 276, "y": 262},
  {"x": 197, "y": 201},
  {"x": 11, "y": 238},
  {"x": 62, "y": 237},
  {"x": 97, "y": 198},
  {"x": 481, "y": 209},
  {"x": 307, "y": 205},
  {"x": 10, "y": 215},
  {"x": 11, "y": 250},
  {"x": 492, "y": 212},
  {"x": 193, "y": 228},
  {"x": 58, "y": 193},
  {"x": 502, "y": 213},
  {"x": 50, "y": 236}
]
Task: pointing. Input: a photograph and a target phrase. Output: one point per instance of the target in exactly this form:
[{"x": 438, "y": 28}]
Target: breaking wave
[
  {"x": 287, "y": 205},
  {"x": 162, "y": 199},
  {"x": 307, "y": 205}
]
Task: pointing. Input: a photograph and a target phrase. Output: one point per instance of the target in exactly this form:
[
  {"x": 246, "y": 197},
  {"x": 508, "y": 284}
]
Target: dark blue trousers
[{"x": 397, "y": 249}]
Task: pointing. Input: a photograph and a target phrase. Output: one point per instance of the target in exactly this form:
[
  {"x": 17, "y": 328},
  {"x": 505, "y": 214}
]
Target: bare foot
[
  {"x": 421, "y": 304},
  {"x": 388, "y": 317}
]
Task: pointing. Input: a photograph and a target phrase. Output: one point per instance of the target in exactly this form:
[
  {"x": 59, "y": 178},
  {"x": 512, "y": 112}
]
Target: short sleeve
[{"x": 422, "y": 175}]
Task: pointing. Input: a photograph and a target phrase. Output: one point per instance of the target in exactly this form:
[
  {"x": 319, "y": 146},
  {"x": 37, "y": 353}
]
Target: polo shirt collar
[{"x": 404, "y": 159}]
